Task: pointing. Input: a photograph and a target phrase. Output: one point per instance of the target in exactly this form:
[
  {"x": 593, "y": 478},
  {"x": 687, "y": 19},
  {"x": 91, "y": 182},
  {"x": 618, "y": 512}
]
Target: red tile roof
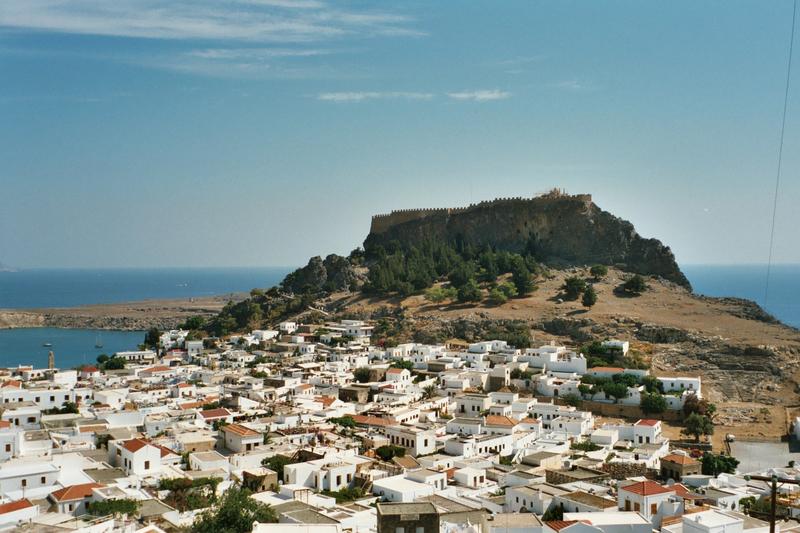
[
  {"x": 497, "y": 420},
  {"x": 158, "y": 368},
  {"x": 366, "y": 420},
  {"x": 215, "y": 413},
  {"x": 646, "y": 488},
  {"x": 558, "y": 525},
  {"x": 134, "y": 445},
  {"x": 395, "y": 370},
  {"x": 242, "y": 431},
  {"x": 89, "y": 369},
  {"x": 75, "y": 492},
  {"x": 647, "y": 422},
  {"x": 12, "y": 384},
  {"x": 680, "y": 459},
  {"x": 18, "y": 505}
]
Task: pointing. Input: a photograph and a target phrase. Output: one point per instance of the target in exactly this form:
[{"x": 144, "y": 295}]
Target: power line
[{"x": 780, "y": 153}]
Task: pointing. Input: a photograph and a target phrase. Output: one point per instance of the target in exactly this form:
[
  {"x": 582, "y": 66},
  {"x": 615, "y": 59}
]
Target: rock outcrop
[{"x": 559, "y": 229}]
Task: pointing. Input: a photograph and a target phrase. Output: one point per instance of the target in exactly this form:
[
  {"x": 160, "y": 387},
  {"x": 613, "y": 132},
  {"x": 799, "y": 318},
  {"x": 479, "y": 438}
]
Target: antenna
[{"x": 780, "y": 153}]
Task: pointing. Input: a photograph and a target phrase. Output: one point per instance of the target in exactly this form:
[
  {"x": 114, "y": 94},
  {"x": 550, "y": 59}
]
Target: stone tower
[{"x": 51, "y": 361}]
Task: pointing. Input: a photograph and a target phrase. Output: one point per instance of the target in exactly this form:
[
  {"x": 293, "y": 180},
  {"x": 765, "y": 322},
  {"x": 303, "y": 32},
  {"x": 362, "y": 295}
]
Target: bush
[
  {"x": 714, "y": 465},
  {"x": 440, "y": 294},
  {"x": 573, "y": 287},
  {"x": 235, "y": 513},
  {"x": 635, "y": 285},
  {"x": 589, "y": 297},
  {"x": 112, "y": 507},
  {"x": 598, "y": 271}
]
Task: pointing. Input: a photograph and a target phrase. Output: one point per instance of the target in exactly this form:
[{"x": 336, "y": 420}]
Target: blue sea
[
  {"x": 749, "y": 281},
  {"x": 73, "y": 287},
  {"x": 68, "y": 288}
]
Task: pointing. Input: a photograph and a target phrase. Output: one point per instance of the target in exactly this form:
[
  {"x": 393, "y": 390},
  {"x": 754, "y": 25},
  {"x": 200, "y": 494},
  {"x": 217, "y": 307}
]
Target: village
[{"x": 321, "y": 429}]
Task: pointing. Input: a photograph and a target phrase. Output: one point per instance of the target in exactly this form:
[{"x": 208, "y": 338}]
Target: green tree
[
  {"x": 235, "y": 513},
  {"x": 362, "y": 374},
  {"x": 635, "y": 285},
  {"x": 598, "y": 271},
  {"x": 389, "y": 451},
  {"x": 344, "y": 421},
  {"x": 276, "y": 464},
  {"x": 617, "y": 391},
  {"x": 573, "y": 287},
  {"x": 196, "y": 322},
  {"x": 429, "y": 392},
  {"x": 589, "y": 297},
  {"x": 115, "y": 363},
  {"x": 653, "y": 403},
  {"x": 152, "y": 338},
  {"x": 102, "y": 358},
  {"x": 521, "y": 276},
  {"x": 714, "y": 465},
  {"x": 701, "y": 406},
  {"x": 697, "y": 425},
  {"x": 555, "y": 512},
  {"x": 469, "y": 292}
]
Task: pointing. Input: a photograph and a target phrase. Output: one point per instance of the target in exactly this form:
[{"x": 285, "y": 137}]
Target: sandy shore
[{"x": 140, "y": 315}]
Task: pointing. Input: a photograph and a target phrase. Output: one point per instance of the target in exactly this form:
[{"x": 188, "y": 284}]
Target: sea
[
  {"x": 69, "y": 288},
  {"x": 73, "y": 287}
]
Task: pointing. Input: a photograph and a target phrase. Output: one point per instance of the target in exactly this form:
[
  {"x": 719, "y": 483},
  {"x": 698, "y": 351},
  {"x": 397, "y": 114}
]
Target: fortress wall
[{"x": 382, "y": 223}]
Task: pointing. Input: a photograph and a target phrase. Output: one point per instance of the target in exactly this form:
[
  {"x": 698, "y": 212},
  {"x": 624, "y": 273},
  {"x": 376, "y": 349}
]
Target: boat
[
  {"x": 47, "y": 344},
  {"x": 98, "y": 342}
]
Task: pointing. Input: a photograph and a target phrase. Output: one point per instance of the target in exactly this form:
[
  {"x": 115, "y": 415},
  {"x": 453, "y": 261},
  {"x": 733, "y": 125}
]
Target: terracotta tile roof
[
  {"x": 5, "y": 424},
  {"x": 647, "y": 422},
  {"x": 134, "y": 445},
  {"x": 395, "y": 371},
  {"x": 75, "y": 492},
  {"x": 498, "y": 420},
  {"x": 92, "y": 428},
  {"x": 680, "y": 459},
  {"x": 681, "y": 490},
  {"x": 305, "y": 386},
  {"x": 89, "y": 369},
  {"x": 325, "y": 400},
  {"x": 366, "y": 420},
  {"x": 242, "y": 431},
  {"x": 215, "y": 413},
  {"x": 646, "y": 488},
  {"x": 12, "y": 384},
  {"x": 184, "y": 385},
  {"x": 558, "y": 525},
  {"x": 18, "y": 505},
  {"x": 164, "y": 450},
  {"x": 191, "y": 405},
  {"x": 158, "y": 368}
]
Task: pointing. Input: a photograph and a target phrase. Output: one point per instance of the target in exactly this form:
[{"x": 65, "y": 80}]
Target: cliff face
[{"x": 559, "y": 229}]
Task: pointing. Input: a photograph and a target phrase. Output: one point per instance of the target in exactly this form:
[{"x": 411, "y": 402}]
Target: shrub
[
  {"x": 573, "y": 287},
  {"x": 598, "y": 271},
  {"x": 635, "y": 285}
]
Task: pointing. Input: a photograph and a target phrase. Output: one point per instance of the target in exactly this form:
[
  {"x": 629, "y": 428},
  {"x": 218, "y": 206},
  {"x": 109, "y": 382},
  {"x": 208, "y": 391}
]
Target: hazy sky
[{"x": 259, "y": 132}]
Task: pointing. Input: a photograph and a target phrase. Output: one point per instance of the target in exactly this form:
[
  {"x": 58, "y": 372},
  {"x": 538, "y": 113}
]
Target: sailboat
[
  {"x": 98, "y": 342},
  {"x": 47, "y": 344}
]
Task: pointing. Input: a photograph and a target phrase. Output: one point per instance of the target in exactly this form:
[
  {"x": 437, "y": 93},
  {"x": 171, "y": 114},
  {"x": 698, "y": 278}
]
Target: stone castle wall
[{"x": 382, "y": 223}]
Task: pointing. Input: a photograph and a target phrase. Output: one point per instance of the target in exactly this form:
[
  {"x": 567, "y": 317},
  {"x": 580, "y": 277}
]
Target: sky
[{"x": 143, "y": 133}]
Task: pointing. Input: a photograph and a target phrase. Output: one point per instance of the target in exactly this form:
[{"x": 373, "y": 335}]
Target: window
[
  {"x": 627, "y": 505},
  {"x": 44, "y": 480},
  {"x": 636, "y": 506},
  {"x": 24, "y": 482},
  {"x": 338, "y": 480},
  {"x": 147, "y": 465},
  {"x": 52, "y": 398},
  {"x": 31, "y": 420},
  {"x": 8, "y": 448},
  {"x": 71, "y": 507},
  {"x": 653, "y": 508}
]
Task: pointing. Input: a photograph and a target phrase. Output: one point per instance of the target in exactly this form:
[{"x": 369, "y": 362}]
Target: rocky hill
[{"x": 556, "y": 228}]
